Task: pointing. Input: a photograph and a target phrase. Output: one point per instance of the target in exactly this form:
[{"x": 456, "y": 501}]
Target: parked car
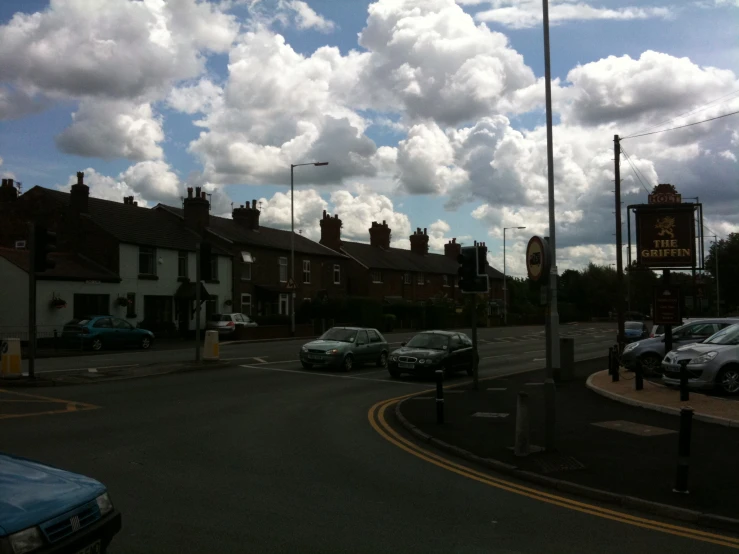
[
  {"x": 105, "y": 331},
  {"x": 345, "y": 347},
  {"x": 45, "y": 509},
  {"x": 635, "y": 330},
  {"x": 431, "y": 350},
  {"x": 713, "y": 363},
  {"x": 648, "y": 353},
  {"x": 226, "y": 324},
  {"x": 659, "y": 330}
]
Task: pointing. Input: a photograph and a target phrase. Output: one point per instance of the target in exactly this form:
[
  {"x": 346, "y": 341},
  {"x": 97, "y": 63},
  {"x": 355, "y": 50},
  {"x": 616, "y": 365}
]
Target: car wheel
[
  {"x": 728, "y": 380},
  {"x": 382, "y": 362},
  {"x": 651, "y": 364},
  {"x": 145, "y": 343},
  {"x": 394, "y": 373},
  {"x": 96, "y": 344},
  {"x": 306, "y": 365},
  {"x": 347, "y": 364}
]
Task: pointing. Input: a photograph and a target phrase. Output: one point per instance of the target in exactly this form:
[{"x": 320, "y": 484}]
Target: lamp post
[
  {"x": 505, "y": 279},
  {"x": 292, "y": 239},
  {"x": 718, "y": 290}
]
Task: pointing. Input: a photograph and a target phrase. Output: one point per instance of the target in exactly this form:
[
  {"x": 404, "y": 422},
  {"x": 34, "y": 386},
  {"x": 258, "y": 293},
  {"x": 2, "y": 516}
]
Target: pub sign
[{"x": 665, "y": 236}]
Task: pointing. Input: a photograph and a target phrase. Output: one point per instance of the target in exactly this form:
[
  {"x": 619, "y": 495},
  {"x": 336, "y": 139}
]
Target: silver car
[
  {"x": 713, "y": 363},
  {"x": 648, "y": 353},
  {"x": 226, "y": 324}
]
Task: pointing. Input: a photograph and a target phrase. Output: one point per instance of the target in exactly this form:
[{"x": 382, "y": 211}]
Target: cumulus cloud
[
  {"x": 195, "y": 98},
  {"x": 520, "y": 14},
  {"x": 306, "y": 17},
  {"x": 113, "y": 129},
  {"x": 16, "y": 103}
]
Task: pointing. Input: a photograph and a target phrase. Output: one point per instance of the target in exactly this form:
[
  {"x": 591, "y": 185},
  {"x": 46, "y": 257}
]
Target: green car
[{"x": 345, "y": 347}]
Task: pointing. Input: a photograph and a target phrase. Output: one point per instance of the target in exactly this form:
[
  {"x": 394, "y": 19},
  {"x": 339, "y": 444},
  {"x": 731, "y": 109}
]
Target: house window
[
  {"x": 182, "y": 264},
  {"x": 147, "y": 260},
  {"x": 421, "y": 279},
  {"x": 283, "y": 304},
  {"x": 306, "y": 271},
  {"x": 283, "y": 270},
  {"x": 211, "y": 307},
  {"x": 214, "y": 268},
  {"x": 445, "y": 280},
  {"x": 247, "y": 258},
  {"x": 246, "y": 304},
  {"x": 377, "y": 276},
  {"x": 407, "y": 278},
  {"x": 337, "y": 274}
]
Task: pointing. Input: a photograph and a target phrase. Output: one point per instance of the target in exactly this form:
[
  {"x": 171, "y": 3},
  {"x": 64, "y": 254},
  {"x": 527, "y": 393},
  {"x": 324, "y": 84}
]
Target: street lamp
[
  {"x": 505, "y": 279},
  {"x": 292, "y": 239}
]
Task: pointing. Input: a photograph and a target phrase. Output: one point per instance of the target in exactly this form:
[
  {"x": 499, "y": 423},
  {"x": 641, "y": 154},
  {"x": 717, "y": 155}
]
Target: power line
[
  {"x": 683, "y": 126},
  {"x": 691, "y": 112},
  {"x": 633, "y": 167}
]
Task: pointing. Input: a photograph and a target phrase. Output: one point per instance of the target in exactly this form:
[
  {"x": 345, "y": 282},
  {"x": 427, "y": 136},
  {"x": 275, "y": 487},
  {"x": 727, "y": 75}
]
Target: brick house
[
  {"x": 386, "y": 273},
  {"x": 147, "y": 258},
  {"x": 261, "y": 267}
]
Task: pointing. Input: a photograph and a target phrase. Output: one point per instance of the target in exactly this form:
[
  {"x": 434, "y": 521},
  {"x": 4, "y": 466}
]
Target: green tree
[{"x": 727, "y": 252}]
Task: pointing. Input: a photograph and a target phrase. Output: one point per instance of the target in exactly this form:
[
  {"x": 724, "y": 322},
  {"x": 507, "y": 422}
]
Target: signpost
[{"x": 667, "y": 304}]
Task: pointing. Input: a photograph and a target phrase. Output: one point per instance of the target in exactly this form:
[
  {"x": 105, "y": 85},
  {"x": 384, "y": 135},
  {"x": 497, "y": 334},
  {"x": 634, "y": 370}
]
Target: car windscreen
[
  {"x": 729, "y": 335},
  {"x": 341, "y": 335},
  {"x": 430, "y": 341},
  {"x": 634, "y": 325}
]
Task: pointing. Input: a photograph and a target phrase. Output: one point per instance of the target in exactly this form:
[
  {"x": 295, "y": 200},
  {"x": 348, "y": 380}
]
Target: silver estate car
[
  {"x": 713, "y": 363},
  {"x": 649, "y": 352}
]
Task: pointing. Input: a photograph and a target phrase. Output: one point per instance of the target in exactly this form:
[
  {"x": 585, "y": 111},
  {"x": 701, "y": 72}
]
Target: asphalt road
[
  {"x": 493, "y": 341},
  {"x": 271, "y": 458}
]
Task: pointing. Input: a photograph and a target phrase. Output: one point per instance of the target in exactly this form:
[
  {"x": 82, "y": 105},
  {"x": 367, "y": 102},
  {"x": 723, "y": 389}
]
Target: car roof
[
  {"x": 439, "y": 332},
  {"x": 354, "y": 328}
]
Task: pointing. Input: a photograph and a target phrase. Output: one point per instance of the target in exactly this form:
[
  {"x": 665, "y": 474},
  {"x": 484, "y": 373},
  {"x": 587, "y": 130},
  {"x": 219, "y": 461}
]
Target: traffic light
[
  {"x": 472, "y": 269},
  {"x": 205, "y": 262},
  {"x": 44, "y": 243}
]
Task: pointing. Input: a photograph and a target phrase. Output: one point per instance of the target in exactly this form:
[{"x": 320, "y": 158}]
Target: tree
[{"x": 727, "y": 252}]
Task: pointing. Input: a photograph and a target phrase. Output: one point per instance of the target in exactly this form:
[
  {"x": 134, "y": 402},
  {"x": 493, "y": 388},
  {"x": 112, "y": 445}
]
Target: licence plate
[
  {"x": 315, "y": 357},
  {"x": 94, "y": 548},
  {"x": 405, "y": 365}
]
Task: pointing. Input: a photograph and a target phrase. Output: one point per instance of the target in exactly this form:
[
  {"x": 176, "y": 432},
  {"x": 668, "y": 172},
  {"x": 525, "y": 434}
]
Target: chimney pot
[
  {"x": 135, "y": 203},
  {"x": 5, "y": 182},
  {"x": 197, "y": 192},
  {"x": 424, "y": 230},
  {"x": 336, "y": 216},
  {"x": 324, "y": 214},
  {"x": 189, "y": 192},
  {"x": 80, "y": 178}
]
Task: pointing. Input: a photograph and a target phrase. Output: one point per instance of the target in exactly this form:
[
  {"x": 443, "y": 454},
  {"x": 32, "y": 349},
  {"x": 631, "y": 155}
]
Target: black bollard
[
  {"x": 638, "y": 379},
  {"x": 439, "y": 396},
  {"x": 684, "y": 392},
  {"x": 614, "y": 354},
  {"x": 683, "y": 455}
]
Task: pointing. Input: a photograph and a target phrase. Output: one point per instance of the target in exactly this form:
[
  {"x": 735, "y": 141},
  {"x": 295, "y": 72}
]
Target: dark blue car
[
  {"x": 635, "y": 330},
  {"x": 105, "y": 332},
  {"x": 48, "y": 510}
]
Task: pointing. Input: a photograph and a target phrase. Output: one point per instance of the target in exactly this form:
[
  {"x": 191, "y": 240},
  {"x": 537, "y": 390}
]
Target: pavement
[
  {"x": 268, "y": 457},
  {"x": 599, "y": 443}
]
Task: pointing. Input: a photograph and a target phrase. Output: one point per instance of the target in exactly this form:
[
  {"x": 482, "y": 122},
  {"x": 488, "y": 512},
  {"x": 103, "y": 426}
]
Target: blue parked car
[
  {"x": 635, "y": 330},
  {"x": 105, "y": 331},
  {"x": 44, "y": 509}
]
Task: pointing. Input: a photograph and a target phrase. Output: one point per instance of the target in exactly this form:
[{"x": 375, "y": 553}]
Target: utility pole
[
  {"x": 292, "y": 249},
  {"x": 552, "y": 319},
  {"x": 619, "y": 244},
  {"x": 198, "y": 248},
  {"x": 31, "y": 301},
  {"x": 718, "y": 290}
]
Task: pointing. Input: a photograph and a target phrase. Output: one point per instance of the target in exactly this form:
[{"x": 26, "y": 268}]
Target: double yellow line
[{"x": 376, "y": 416}]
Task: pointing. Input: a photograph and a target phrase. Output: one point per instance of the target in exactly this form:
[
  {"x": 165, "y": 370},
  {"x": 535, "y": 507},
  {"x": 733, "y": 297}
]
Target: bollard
[
  {"x": 683, "y": 455},
  {"x": 684, "y": 392},
  {"x": 10, "y": 358},
  {"x": 211, "y": 349},
  {"x": 615, "y": 376},
  {"x": 610, "y": 361},
  {"x": 638, "y": 379},
  {"x": 522, "y": 443},
  {"x": 439, "y": 396}
]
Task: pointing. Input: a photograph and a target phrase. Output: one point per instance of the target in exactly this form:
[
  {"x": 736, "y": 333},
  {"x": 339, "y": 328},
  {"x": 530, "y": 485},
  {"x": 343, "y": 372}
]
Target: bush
[{"x": 388, "y": 322}]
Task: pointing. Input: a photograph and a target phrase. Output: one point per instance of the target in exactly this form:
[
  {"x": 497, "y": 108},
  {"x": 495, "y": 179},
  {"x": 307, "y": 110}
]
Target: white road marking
[
  {"x": 498, "y": 356},
  {"x": 85, "y": 368},
  {"x": 539, "y": 360},
  {"x": 533, "y": 352},
  {"x": 336, "y": 376},
  {"x": 260, "y": 360}
]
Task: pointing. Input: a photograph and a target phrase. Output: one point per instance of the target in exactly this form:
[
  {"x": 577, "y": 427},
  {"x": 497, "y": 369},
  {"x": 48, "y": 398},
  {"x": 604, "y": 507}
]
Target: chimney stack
[
  {"x": 453, "y": 249},
  {"x": 420, "y": 242},
  {"x": 80, "y": 195},
  {"x": 380, "y": 235},
  {"x": 331, "y": 231},
  {"x": 8, "y": 192},
  {"x": 247, "y": 216},
  {"x": 196, "y": 210}
]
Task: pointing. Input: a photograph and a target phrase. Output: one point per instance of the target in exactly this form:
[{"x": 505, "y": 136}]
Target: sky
[{"x": 430, "y": 113}]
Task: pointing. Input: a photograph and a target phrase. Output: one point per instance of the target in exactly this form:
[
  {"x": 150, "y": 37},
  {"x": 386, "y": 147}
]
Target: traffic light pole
[
  {"x": 32, "y": 303},
  {"x": 476, "y": 356},
  {"x": 197, "y": 301}
]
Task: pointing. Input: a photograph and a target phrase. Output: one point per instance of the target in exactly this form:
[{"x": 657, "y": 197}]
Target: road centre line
[
  {"x": 260, "y": 360},
  {"x": 357, "y": 378},
  {"x": 376, "y": 416}
]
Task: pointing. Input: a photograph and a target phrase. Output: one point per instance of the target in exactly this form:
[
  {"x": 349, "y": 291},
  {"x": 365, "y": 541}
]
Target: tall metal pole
[
  {"x": 32, "y": 302},
  {"x": 197, "y": 301},
  {"x": 505, "y": 284},
  {"x": 292, "y": 250},
  {"x": 552, "y": 320},
  {"x": 718, "y": 288},
  {"x": 619, "y": 244}
]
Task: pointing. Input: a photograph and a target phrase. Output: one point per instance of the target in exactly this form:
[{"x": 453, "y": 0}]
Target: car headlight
[
  {"x": 631, "y": 346},
  {"x": 27, "y": 540},
  {"x": 394, "y": 358},
  {"x": 304, "y": 349},
  {"x": 332, "y": 351},
  {"x": 703, "y": 358},
  {"x": 421, "y": 361},
  {"x": 104, "y": 504}
]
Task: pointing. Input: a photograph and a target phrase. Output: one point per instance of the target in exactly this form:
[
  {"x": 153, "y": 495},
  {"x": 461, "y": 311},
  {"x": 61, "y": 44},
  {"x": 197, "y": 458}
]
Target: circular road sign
[{"x": 537, "y": 259}]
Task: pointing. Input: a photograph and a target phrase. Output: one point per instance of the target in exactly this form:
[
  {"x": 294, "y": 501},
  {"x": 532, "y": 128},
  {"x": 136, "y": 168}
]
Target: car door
[
  {"x": 238, "y": 320},
  {"x": 375, "y": 344},
  {"x": 695, "y": 332},
  {"x": 104, "y": 330},
  {"x": 456, "y": 353},
  {"x": 362, "y": 347},
  {"x": 125, "y": 334},
  {"x": 469, "y": 353}
]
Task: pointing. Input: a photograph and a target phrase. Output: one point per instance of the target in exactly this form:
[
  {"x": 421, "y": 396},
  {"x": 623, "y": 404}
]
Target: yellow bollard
[
  {"x": 10, "y": 356},
  {"x": 211, "y": 349}
]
